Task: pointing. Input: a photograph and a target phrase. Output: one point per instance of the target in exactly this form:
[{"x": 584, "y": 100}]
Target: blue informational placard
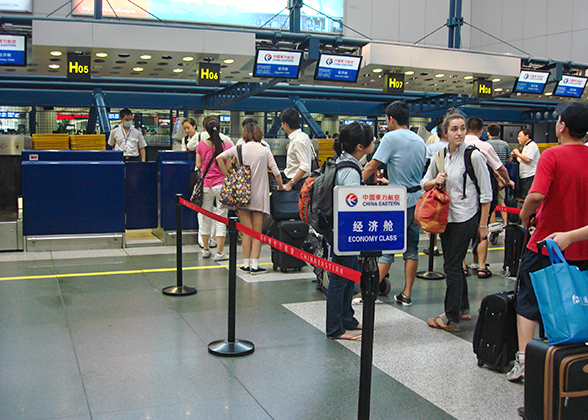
[
  {"x": 276, "y": 63},
  {"x": 571, "y": 86},
  {"x": 338, "y": 68},
  {"x": 13, "y": 50},
  {"x": 531, "y": 82},
  {"x": 369, "y": 218}
]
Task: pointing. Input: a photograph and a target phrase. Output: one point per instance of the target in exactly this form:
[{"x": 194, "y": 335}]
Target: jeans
[
  {"x": 455, "y": 242},
  {"x": 339, "y": 295}
]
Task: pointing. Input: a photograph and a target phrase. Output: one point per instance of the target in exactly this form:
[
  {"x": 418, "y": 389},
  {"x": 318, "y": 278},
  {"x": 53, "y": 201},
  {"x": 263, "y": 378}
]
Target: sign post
[{"x": 369, "y": 221}]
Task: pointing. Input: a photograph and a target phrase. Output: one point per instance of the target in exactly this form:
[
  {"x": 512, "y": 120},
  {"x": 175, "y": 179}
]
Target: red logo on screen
[
  {"x": 351, "y": 200},
  {"x": 329, "y": 61},
  {"x": 267, "y": 57}
]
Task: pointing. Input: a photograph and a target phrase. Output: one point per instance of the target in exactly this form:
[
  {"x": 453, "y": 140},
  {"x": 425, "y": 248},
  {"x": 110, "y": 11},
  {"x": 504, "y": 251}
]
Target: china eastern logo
[
  {"x": 351, "y": 200},
  {"x": 267, "y": 57},
  {"x": 329, "y": 61}
]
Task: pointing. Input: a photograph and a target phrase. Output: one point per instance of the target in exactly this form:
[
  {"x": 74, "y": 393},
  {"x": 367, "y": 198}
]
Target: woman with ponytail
[
  {"x": 206, "y": 153},
  {"x": 355, "y": 141}
]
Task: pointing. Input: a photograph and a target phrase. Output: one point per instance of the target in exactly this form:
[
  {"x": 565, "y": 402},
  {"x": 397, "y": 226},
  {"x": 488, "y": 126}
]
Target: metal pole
[
  {"x": 458, "y": 23},
  {"x": 450, "y": 23},
  {"x": 98, "y": 9},
  {"x": 369, "y": 291},
  {"x": 430, "y": 274},
  {"x": 179, "y": 289}
]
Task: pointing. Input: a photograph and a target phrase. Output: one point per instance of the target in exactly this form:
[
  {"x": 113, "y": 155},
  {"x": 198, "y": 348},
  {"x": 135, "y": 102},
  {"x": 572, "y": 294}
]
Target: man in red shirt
[{"x": 558, "y": 196}]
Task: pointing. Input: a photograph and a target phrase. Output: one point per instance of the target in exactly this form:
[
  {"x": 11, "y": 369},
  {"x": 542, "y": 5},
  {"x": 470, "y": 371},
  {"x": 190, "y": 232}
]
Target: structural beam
[
  {"x": 301, "y": 107},
  {"x": 235, "y": 93},
  {"x": 102, "y": 114}
]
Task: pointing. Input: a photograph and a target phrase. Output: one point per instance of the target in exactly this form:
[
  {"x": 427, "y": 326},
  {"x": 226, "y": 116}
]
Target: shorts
[{"x": 412, "y": 240}]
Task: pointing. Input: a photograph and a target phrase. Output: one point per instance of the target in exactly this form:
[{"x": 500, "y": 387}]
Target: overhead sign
[
  {"x": 394, "y": 83},
  {"x": 338, "y": 68},
  {"x": 570, "y": 86},
  {"x": 277, "y": 63},
  {"x": 531, "y": 82},
  {"x": 78, "y": 68},
  {"x": 13, "y": 50},
  {"x": 5, "y": 114},
  {"x": 16, "y": 6},
  {"x": 368, "y": 122},
  {"x": 208, "y": 74},
  {"x": 369, "y": 218},
  {"x": 483, "y": 89}
]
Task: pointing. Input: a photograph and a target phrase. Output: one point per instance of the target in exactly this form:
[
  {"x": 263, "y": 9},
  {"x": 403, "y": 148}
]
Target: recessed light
[
  {"x": 498, "y": 90},
  {"x": 145, "y": 57},
  {"x": 188, "y": 58},
  {"x": 409, "y": 73},
  {"x": 101, "y": 54},
  {"x": 549, "y": 94},
  {"x": 124, "y": 55},
  {"x": 377, "y": 70},
  {"x": 229, "y": 61},
  {"x": 137, "y": 68},
  {"x": 468, "y": 77},
  {"x": 496, "y": 80},
  {"x": 56, "y": 53},
  {"x": 250, "y": 74},
  {"x": 53, "y": 66},
  {"x": 178, "y": 70},
  {"x": 439, "y": 75}
]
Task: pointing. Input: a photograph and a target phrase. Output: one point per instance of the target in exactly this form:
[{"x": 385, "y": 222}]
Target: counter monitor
[
  {"x": 13, "y": 50},
  {"x": 277, "y": 63},
  {"x": 570, "y": 86},
  {"x": 338, "y": 68},
  {"x": 531, "y": 82}
]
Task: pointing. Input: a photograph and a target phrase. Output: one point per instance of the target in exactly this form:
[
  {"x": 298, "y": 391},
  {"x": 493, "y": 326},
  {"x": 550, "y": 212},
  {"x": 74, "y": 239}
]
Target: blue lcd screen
[{"x": 338, "y": 68}]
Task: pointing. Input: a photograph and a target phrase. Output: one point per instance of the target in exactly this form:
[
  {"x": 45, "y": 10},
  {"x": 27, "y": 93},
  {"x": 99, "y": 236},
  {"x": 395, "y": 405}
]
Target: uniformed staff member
[{"x": 128, "y": 139}]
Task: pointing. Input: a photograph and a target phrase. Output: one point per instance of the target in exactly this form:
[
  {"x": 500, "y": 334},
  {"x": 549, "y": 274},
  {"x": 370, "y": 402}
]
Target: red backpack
[{"x": 432, "y": 208}]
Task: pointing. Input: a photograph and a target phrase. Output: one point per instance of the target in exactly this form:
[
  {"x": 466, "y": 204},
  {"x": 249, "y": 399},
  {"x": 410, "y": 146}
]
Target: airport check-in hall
[{"x": 122, "y": 296}]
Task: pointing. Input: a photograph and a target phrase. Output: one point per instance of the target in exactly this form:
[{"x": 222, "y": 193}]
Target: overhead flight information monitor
[
  {"x": 338, "y": 68},
  {"x": 570, "y": 86},
  {"x": 277, "y": 63},
  {"x": 531, "y": 82}
]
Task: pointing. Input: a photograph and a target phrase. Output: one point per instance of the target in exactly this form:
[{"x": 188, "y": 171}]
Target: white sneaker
[
  {"x": 518, "y": 370},
  {"x": 221, "y": 257},
  {"x": 206, "y": 253}
]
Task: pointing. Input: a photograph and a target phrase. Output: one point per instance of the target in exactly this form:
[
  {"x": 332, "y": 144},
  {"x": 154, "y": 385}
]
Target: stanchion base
[
  {"x": 179, "y": 291},
  {"x": 224, "y": 348},
  {"x": 430, "y": 275}
]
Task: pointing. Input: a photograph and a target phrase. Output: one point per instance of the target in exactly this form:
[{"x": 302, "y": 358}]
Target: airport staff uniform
[{"x": 128, "y": 143}]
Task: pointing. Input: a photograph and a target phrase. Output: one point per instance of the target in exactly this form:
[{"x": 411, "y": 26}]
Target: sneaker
[
  {"x": 206, "y": 253},
  {"x": 404, "y": 300},
  {"x": 521, "y": 411},
  {"x": 221, "y": 257},
  {"x": 385, "y": 286},
  {"x": 212, "y": 243},
  {"x": 518, "y": 370},
  {"x": 258, "y": 270},
  {"x": 245, "y": 269}
]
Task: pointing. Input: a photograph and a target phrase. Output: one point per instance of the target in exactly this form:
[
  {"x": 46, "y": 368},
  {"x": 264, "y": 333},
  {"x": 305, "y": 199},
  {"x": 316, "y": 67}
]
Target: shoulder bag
[
  {"x": 236, "y": 190},
  {"x": 198, "y": 191},
  {"x": 432, "y": 208}
]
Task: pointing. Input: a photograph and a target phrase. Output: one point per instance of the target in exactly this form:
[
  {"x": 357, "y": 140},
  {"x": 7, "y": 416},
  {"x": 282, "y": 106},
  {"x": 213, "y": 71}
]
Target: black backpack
[{"x": 470, "y": 171}]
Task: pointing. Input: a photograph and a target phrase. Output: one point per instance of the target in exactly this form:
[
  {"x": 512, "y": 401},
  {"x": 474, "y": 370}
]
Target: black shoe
[
  {"x": 385, "y": 285},
  {"x": 521, "y": 411},
  {"x": 436, "y": 252},
  {"x": 245, "y": 269}
]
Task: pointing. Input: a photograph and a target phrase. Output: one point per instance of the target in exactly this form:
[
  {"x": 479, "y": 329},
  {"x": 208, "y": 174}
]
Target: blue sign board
[
  {"x": 113, "y": 116},
  {"x": 571, "y": 86},
  {"x": 13, "y": 50},
  {"x": 5, "y": 114},
  {"x": 369, "y": 218},
  {"x": 277, "y": 63},
  {"x": 531, "y": 82},
  {"x": 338, "y": 68},
  {"x": 224, "y": 118}
]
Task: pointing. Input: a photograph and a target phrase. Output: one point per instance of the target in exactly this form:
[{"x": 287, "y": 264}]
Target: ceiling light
[
  {"x": 439, "y": 75},
  {"x": 229, "y": 61},
  {"x": 498, "y": 90},
  {"x": 549, "y": 94},
  {"x": 145, "y": 57},
  {"x": 56, "y": 53},
  {"x": 53, "y": 66},
  {"x": 178, "y": 70},
  {"x": 496, "y": 80},
  {"x": 101, "y": 54},
  {"x": 250, "y": 74},
  {"x": 377, "y": 70},
  {"x": 408, "y": 73},
  {"x": 188, "y": 58},
  {"x": 468, "y": 77},
  {"x": 137, "y": 68}
]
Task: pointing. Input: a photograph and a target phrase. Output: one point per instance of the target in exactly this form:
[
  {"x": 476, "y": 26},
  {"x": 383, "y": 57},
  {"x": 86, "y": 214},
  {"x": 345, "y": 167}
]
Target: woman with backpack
[
  {"x": 355, "y": 141},
  {"x": 466, "y": 209},
  {"x": 206, "y": 153}
]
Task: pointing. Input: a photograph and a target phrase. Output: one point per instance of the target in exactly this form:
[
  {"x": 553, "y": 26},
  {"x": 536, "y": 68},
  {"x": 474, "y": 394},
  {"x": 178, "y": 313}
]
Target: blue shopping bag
[{"x": 562, "y": 294}]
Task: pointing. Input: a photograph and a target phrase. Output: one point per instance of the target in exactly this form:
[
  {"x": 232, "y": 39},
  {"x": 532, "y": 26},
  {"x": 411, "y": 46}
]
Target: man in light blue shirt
[{"x": 404, "y": 153}]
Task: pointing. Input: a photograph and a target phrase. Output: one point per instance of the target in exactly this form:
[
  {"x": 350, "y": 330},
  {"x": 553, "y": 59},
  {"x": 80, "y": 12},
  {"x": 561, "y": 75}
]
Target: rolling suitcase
[
  {"x": 495, "y": 336},
  {"x": 291, "y": 232},
  {"x": 556, "y": 381},
  {"x": 284, "y": 205},
  {"x": 514, "y": 238},
  {"x": 317, "y": 245}
]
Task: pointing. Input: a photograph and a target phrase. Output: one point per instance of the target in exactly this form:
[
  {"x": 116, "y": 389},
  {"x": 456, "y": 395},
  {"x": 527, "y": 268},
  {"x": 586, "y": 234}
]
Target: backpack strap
[
  {"x": 469, "y": 169},
  {"x": 440, "y": 159},
  {"x": 349, "y": 164}
]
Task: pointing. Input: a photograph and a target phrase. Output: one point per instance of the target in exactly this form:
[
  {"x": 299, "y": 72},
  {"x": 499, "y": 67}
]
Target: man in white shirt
[
  {"x": 300, "y": 151},
  {"x": 128, "y": 139},
  {"x": 528, "y": 159}
]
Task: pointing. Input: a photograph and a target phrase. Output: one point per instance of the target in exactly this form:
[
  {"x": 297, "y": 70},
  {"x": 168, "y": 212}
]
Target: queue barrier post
[
  {"x": 370, "y": 285},
  {"x": 430, "y": 274},
  {"x": 179, "y": 289},
  {"x": 231, "y": 347}
]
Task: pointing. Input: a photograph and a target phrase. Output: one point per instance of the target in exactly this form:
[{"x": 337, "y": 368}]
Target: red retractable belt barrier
[
  {"x": 508, "y": 209},
  {"x": 329, "y": 266}
]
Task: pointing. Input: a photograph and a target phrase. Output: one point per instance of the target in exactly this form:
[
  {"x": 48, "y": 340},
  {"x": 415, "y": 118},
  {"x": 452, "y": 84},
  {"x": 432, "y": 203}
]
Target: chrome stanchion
[{"x": 430, "y": 274}]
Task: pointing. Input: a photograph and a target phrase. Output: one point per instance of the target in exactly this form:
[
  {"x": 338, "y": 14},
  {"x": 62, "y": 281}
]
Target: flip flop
[
  {"x": 464, "y": 317},
  {"x": 352, "y": 338},
  {"x": 436, "y": 323}
]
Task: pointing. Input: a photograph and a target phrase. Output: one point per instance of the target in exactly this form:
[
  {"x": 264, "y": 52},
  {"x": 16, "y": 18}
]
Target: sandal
[
  {"x": 438, "y": 323},
  {"x": 348, "y": 336},
  {"x": 466, "y": 272},
  {"x": 484, "y": 273},
  {"x": 463, "y": 317}
]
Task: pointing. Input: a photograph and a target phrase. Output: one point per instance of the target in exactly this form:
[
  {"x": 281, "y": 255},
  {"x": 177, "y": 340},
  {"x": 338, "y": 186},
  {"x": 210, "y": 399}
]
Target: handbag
[
  {"x": 236, "y": 189},
  {"x": 198, "y": 190},
  {"x": 562, "y": 295},
  {"x": 432, "y": 208}
]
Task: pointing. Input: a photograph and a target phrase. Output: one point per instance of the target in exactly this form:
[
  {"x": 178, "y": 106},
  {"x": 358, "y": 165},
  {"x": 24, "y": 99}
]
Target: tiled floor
[{"x": 89, "y": 335}]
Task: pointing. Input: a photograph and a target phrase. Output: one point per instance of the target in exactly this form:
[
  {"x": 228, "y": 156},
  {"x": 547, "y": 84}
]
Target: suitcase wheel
[
  {"x": 284, "y": 270},
  {"x": 480, "y": 363},
  {"x": 275, "y": 267},
  {"x": 299, "y": 269},
  {"x": 494, "y": 238}
]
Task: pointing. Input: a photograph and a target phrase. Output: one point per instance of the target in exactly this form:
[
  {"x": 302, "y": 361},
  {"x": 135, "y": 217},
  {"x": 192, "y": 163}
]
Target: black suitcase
[
  {"x": 284, "y": 205},
  {"x": 514, "y": 239},
  {"x": 556, "y": 381},
  {"x": 317, "y": 245},
  {"x": 495, "y": 336},
  {"x": 291, "y": 232}
]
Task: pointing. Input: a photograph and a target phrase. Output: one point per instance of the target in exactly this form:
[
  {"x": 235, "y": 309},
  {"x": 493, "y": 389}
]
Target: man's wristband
[{"x": 483, "y": 227}]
